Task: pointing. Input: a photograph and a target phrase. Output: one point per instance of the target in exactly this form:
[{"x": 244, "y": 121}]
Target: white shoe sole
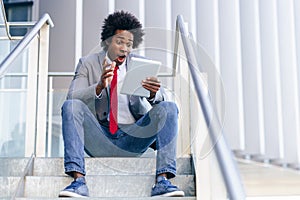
[
  {"x": 70, "y": 194},
  {"x": 173, "y": 194}
]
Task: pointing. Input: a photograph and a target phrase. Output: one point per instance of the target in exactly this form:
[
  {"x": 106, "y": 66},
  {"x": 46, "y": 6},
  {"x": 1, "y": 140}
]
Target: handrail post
[
  {"x": 31, "y": 98},
  {"x": 42, "y": 92},
  {"x": 228, "y": 166}
]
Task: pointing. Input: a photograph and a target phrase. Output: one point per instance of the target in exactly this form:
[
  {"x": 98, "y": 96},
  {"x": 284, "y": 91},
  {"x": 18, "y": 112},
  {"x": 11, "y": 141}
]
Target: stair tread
[
  {"x": 111, "y": 178},
  {"x": 109, "y": 165},
  {"x": 105, "y": 185}
]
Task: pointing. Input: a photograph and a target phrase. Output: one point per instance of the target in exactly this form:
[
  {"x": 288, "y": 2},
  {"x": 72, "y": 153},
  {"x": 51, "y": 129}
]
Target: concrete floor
[{"x": 266, "y": 181}]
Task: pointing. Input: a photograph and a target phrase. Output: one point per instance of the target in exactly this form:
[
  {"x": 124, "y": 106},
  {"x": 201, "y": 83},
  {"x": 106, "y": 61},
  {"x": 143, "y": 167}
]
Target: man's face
[{"x": 120, "y": 45}]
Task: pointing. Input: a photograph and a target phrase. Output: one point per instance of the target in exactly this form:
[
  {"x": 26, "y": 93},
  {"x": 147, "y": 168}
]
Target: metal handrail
[
  {"x": 9, "y": 25},
  {"x": 36, "y": 82},
  {"x": 24, "y": 42},
  {"x": 229, "y": 170},
  {"x": 5, "y": 21}
]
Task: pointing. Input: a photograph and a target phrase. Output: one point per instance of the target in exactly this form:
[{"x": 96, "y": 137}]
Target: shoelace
[
  {"x": 75, "y": 184},
  {"x": 166, "y": 183}
]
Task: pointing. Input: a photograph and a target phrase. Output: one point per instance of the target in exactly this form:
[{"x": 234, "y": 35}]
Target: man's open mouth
[{"x": 120, "y": 59}]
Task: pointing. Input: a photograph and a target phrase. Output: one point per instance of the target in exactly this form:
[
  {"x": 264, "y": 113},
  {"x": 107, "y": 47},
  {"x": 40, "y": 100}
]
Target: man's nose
[{"x": 124, "y": 48}]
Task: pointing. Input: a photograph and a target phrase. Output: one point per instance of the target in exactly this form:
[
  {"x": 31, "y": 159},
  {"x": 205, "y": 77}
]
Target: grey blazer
[{"x": 83, "y": 87}]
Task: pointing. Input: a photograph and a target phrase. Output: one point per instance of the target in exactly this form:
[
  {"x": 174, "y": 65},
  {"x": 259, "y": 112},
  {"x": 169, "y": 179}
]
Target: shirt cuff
[
  {"x": 154, "y": 99},
  {"x": 98, "y": 96}
]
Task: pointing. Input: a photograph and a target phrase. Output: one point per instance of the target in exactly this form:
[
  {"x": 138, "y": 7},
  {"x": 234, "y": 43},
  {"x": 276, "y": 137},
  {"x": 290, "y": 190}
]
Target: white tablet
[{"x": 139, "y": 69}]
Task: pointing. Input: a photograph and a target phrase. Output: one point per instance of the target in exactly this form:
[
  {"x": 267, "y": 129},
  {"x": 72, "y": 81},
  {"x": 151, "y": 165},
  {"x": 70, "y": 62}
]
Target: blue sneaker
[
  {"x": 77, "y": 188},
  {"x": 164, "y": 188}
]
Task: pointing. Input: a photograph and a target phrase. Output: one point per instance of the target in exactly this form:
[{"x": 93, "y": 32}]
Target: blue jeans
[{"x": 82, "y": 132}]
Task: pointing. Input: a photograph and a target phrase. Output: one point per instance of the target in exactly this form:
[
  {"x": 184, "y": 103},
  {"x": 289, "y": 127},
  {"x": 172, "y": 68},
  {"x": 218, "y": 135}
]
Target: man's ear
[{"x": 107, "y": 42}]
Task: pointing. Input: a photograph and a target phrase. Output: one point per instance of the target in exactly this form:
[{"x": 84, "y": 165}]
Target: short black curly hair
[{"x": 121, "y": 20}]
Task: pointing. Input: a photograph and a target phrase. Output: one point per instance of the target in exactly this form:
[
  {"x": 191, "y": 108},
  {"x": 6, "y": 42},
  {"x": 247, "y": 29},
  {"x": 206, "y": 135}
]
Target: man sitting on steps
[{"x": 89, "y": 119}]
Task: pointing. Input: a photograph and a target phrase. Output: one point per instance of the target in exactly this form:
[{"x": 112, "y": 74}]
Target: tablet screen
[{"x": 139, "y": 69}]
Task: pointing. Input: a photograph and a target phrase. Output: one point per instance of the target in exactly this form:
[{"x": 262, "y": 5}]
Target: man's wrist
[
  {"x": 99, "y": 89},
  {"x": 151, "y": 99}
]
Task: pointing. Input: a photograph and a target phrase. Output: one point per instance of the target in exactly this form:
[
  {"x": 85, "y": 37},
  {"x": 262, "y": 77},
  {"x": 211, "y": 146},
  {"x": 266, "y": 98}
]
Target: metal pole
[{"x": 228, "y": 166}]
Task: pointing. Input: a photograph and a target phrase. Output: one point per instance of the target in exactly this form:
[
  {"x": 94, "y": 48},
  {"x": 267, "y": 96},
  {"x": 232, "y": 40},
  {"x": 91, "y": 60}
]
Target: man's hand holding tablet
[{"x": 141, "y": 78}]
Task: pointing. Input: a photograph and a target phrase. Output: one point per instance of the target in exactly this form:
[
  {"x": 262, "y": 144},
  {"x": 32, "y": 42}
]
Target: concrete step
[
  {"x": 104, "y": 185},
  {"x": 12, "y": 166},
  {"x": 108, "y": 166},
  {"x": 8, "y": 186}
]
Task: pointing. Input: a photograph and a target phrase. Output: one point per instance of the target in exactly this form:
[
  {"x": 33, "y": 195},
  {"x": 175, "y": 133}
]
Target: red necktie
[{"x": 113, "y": 109}]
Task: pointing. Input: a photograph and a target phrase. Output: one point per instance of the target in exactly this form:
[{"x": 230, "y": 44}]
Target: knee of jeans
[
  {"x": 72, "y": 106},
  {"x": 170, "y": 107}
]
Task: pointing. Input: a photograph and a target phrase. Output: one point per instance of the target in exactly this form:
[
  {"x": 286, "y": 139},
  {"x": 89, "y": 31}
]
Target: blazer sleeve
[{"x": 80, "y": 87}]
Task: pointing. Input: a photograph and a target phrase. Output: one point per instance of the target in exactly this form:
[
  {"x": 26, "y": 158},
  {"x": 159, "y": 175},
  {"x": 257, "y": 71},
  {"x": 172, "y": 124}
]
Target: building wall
[{"x": 252, "y": 44}]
